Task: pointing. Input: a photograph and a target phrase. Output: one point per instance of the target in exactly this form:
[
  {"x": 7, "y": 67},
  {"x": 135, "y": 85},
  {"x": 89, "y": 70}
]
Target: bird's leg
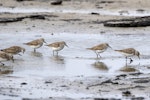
[
  {"x": 53, "y": 53},
  {"x": 126, "y": 61},
  {"x": 99, "y": 55},
  {"x": 96, "y": 54},
  {"x": 12, "y": 58},
  {"x": 34, "y": 50},
  {"x": 57, "y": 53}
]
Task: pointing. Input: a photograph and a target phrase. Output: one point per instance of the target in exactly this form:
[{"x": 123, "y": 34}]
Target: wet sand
[{"x": 75, "y": 74}]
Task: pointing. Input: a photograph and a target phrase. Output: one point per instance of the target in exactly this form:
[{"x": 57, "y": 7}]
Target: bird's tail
[
  {"x": 89, "y": 48},
  {"x": 117, "y": 50},
  {"x": 25, "y": 43}
]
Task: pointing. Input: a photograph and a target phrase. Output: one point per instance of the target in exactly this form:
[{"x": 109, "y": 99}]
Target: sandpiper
[
  {"x": 13, "y": 50},
  {"x": 57, "y": 46},
  {"x": 36, "y": 43},
  {"x": 129, "y": 52},
  {"x": 99, "y": 48},
  {"x": 5, "y": 57}
]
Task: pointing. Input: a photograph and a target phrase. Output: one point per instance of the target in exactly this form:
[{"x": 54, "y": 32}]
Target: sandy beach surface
[{"x": 75, "y": 74}]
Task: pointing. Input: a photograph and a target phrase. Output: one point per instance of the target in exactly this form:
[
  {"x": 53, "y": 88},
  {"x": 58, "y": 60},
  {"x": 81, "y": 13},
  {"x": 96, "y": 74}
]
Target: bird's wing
[
  {"x": 11, "y": 50},
  {"x": 128, "y": 50},
  {"x": 56, "y": 44},
  {"x": 34, "y": 42}
]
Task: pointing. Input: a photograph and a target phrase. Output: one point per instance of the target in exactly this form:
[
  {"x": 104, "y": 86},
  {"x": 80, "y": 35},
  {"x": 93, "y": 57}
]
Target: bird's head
[
  {"x": 65, "y": 43},
  {"x": 137, "y": 53},
  {"x": 43, "y": 40},
  {"x": 108, "y": 45}
]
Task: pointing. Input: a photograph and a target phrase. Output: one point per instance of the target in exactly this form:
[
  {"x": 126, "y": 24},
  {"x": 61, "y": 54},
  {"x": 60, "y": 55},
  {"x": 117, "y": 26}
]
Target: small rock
[
  {"x": 19, "y": 0},
  {"x": 100, "y": 99},
  {"x": 52, "y": 33},
  {"x": 142, "y": 81},
  {"x": 140, "y": 10},
  {"x": 126, "y": 93},
  {"x": 106, "y": 99},
  {"x": 58, "y": 2},
  {"x": 81, "y": 82},
  {"x": 87, "y": 88},
  {"x": 24, "y": 83},
  {"x": 102, "y": 32},
  {"x": 104, "y": 1},
  {"x": 48, "y": 82},
  {"x": 63, "y": 86},
  {"x": 138, "y": 98},
  {"x": 94, "y": 13},
  {"x": 122, "y": 75}
]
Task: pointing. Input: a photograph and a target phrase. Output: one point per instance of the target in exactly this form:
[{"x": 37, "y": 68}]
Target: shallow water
[
  {"x": 26, "y": 77},
  {"x": 78, "y": 11},
  {"x": 75, "y": 60}
]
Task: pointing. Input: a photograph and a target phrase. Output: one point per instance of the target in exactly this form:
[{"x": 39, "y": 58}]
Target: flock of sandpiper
[{"x": 8, "y": 53}]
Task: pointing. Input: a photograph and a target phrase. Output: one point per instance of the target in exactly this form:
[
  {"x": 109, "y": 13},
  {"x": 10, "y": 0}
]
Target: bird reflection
[
  {"x": 6, "y": 72},
  {"x": 100, "y": 65},
  {"x": 58, "y": 59},
  {"x": 36, "y": 54},
  {"x": 5, "y": 69},
  {"x": 128, "y": 68}
]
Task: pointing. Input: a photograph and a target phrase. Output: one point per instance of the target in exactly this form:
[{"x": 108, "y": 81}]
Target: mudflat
[{"x": 76, "y": 73}]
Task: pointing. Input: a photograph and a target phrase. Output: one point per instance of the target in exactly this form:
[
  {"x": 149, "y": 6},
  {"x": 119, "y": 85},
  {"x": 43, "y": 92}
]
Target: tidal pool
[{"x": 75, "y": 60}]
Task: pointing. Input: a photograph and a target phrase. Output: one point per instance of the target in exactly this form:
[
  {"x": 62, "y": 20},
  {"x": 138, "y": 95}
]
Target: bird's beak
[
  {"x": 66, "y": 45},
  {"x": 12, "y": 58},
  {"x": 44, "y": 41},
  {"x": 110, "y": 47},
  {"x": 139, "y": 57}
]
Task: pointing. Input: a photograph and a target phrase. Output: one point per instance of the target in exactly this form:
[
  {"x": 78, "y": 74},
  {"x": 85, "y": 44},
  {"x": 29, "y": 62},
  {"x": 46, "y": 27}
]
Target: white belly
[
  {"x": 100, "y": 51},
  {"x": 127, "y": 55},
  {"x": 57, "y": 49},
  {"x": 37, "y": 46}
]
